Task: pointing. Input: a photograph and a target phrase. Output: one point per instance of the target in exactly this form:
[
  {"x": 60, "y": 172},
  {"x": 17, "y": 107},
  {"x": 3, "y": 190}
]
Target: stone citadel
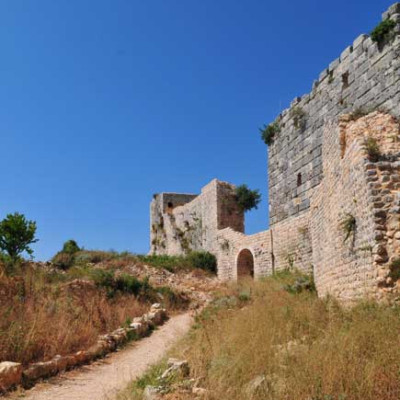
[{"x": 333, "y": 181}]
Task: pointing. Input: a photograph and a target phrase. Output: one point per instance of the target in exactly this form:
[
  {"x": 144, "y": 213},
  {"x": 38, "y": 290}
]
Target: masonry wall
[
  {"x": 356, "y": 264},
  {"x": 230, "y": 243},
  {"x": 364, "y": 76},
  {"x": 194, "y": 224},
  {"x": 286, "y": 245}
]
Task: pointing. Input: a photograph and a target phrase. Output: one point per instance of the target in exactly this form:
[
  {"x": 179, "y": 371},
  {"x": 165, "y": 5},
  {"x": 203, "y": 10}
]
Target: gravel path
[{"x": 102, "y": 380}]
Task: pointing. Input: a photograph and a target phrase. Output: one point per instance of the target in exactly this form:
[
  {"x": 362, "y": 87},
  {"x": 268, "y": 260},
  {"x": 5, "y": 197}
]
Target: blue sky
[{"x": 105, "y": 102}]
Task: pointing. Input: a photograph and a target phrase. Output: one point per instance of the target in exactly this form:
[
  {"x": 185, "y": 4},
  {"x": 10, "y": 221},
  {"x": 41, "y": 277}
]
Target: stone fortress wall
[
  {"x": 364, "y": 76},
  {"x": 321, "y": 177}
]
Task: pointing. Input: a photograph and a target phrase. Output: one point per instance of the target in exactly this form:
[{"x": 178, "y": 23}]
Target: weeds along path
[{"x": 102, "y": 380}]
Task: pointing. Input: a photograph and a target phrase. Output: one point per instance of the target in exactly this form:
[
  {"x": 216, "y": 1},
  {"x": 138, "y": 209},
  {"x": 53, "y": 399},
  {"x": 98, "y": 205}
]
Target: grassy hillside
[
  {"x": 45, "y": 311},
  {"x": 277, "y": 340}
]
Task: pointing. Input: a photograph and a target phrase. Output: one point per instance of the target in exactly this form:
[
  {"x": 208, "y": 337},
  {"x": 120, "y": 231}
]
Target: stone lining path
[{"x": 103, "y": 380}]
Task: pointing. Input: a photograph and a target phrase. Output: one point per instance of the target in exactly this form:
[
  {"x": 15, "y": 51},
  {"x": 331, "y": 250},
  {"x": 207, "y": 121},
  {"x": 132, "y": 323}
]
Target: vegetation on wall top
[
  {"x": 383, "y": 32},
  {"x": 246, "y": 198},
  {"x": 268, "y": 132}
]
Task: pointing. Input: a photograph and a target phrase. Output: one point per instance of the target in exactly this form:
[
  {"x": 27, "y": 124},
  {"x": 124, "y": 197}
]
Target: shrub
[
  {"x": 70, "y": 247},
  {"x": 394, "y": 268},
  {"x": 104, "y": 279},
  {"x": 372, "y": 148},
  {"x": 128, "y": 284},
  {"x": 247, "y": 199},
  {"x": 203, "y": 260},
  {"x": 383, "y": 32},
  {"x": 268, "y": 132},
  {"x": 16, "y": 234},
  {"x": 194, "y": 259},
  {"x": 348, "y": 225},
  {"x": 94, "y": 256},
  {"x": 170, "y": 263},
  {"x": 299, "y": 118},
  {"x": 358, "y": 113},
  {"x": 63, "y": 260},
  {"x": 302, "y": 283}
]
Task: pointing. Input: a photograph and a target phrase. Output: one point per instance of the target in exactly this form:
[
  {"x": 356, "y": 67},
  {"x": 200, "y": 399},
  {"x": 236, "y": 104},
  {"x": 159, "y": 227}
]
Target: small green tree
[
  {"x": 246, "y": 198},
  {"x": 16, "y": 234},
  {"x": 71, "y": 247}
]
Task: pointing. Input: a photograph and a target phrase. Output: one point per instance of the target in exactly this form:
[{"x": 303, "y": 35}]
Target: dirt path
[{"x": 104, "y": 379}]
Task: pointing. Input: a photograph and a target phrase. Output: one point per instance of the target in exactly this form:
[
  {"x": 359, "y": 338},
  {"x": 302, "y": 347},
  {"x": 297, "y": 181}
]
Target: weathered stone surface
[
  {"x": 40, "y": 370},
  {"x": 151, "y": 393},
  {"x": 175, "y": 366},
  {"x": 180, "y": 223},
  {"x": 141, "y": 328},
  {"x": 10, "y": 375}
]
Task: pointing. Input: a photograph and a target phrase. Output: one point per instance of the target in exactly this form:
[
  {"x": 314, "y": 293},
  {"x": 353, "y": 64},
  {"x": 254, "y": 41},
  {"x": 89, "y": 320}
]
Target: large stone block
[{"x": 10, "y": 375}]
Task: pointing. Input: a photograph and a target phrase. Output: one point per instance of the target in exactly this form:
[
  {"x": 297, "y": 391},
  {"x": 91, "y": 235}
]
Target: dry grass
[
  {"x": 41, "y": 316},
  {"x": 301, "y": 346}
]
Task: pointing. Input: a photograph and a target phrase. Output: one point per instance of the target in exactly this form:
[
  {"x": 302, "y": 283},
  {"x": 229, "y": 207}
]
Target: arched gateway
[{"x": 245, "y": 264}]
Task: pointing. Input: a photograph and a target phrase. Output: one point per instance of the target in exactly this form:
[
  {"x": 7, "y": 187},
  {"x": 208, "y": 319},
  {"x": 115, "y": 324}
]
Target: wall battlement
[{"x": 365, "y": 76}]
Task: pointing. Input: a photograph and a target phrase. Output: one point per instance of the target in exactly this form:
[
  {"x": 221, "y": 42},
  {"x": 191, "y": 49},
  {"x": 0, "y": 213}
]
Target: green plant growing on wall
[
  {"x": 394, "y": 269},
  {"x": 372, "y": 148},
  {"x": 290, "y": 260},
  {"x": 299, "y": 118},
  {"x": 358, "y": 113},
  {"x": 303, "y": 230},
  {"x": 348, "y": 226},
  {"x": 383, "y": 32},
  {"x": 225, "y": 245},
  {"x": 268, "y": 132},
  {"x": 331, "y": 78},
  {"x": 246, "y": 198}
]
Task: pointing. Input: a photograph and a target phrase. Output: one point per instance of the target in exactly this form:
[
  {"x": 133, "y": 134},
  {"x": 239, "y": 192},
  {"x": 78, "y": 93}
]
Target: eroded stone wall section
[
  {"x": 352, "y": 265},
  {"x": 193, "y": 224}
]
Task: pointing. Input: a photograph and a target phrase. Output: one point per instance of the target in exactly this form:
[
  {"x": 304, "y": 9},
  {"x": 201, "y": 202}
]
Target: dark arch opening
[{"x": 245, "y": 264}]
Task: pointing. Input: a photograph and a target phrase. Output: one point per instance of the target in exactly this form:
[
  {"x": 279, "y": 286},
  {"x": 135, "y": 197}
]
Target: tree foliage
[
  {"x": 71, "y": 247},
  {"x": 246, "y": 198},
  {"x": 16, "y": 234}
]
